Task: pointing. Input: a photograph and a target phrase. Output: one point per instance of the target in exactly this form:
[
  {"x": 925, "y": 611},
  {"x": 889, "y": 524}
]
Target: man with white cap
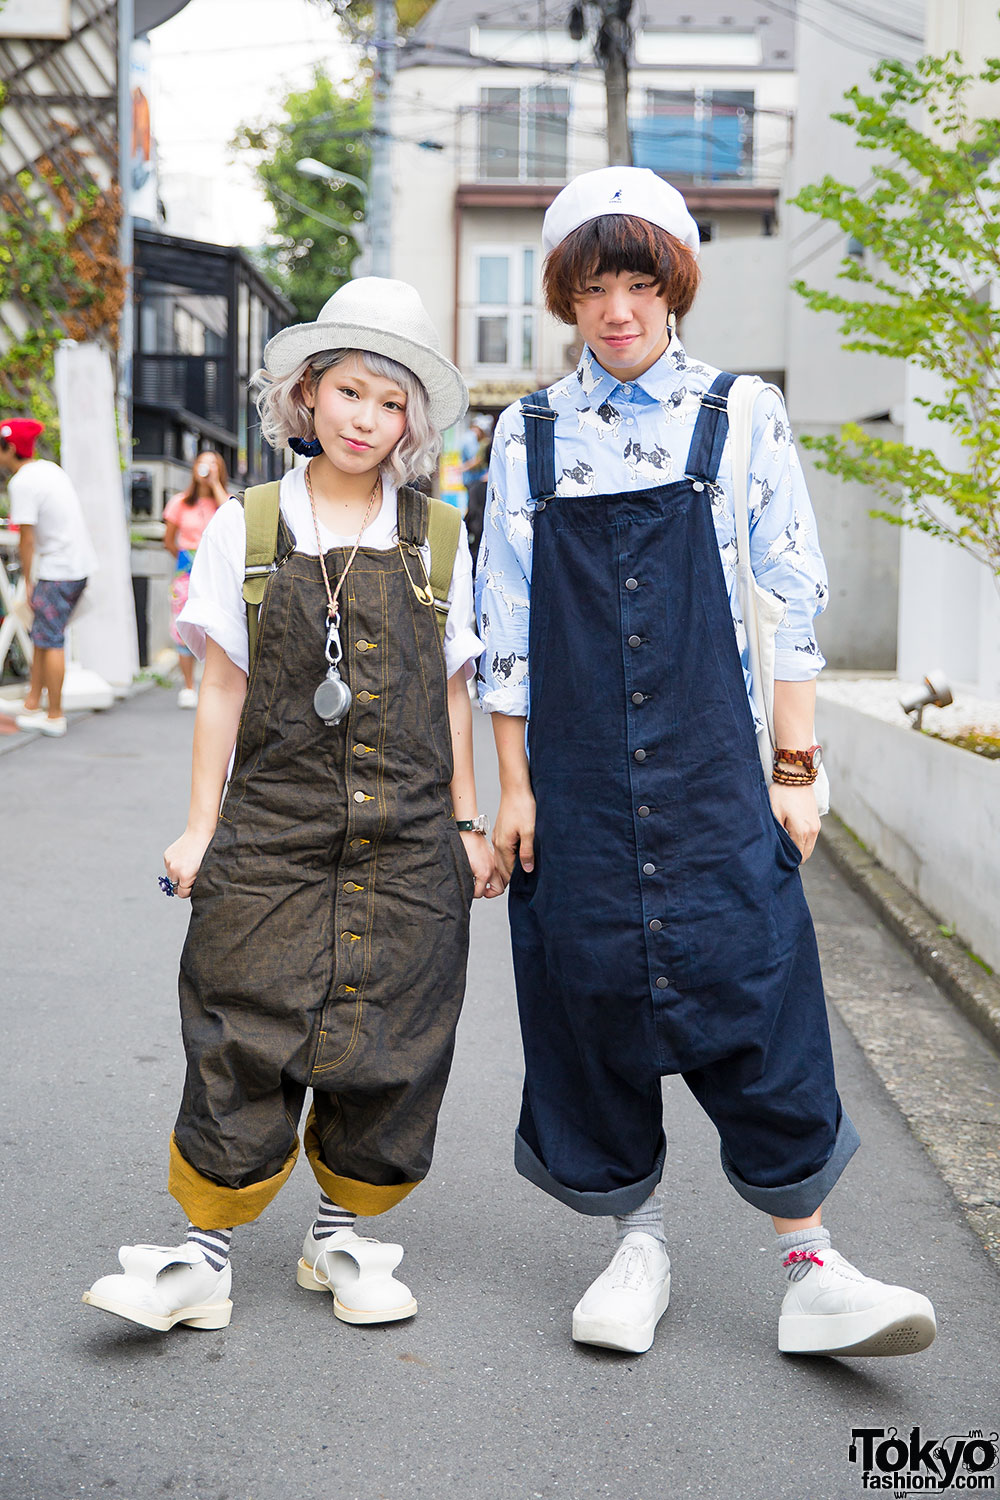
[{"x": 657, "y": 917}]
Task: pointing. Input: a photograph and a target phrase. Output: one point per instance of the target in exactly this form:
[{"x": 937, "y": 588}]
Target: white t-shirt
[
  {"x": 42, "y": 495},
  {"x": 215, "y": 606}
]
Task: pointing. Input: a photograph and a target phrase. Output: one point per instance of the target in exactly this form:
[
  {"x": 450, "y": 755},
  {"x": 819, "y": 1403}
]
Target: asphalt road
[{"x": 483, "y": 1395}]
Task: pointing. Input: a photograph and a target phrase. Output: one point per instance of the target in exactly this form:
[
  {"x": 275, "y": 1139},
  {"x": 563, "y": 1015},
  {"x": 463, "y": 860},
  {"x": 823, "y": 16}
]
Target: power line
[
  {"x": 814, "y": 25},
  {"x": 872, "y": 19}
]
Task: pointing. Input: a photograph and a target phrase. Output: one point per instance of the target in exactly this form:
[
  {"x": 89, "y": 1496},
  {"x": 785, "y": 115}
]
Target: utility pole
[
  {"x": 380, "y": 194},
  {"x": 612, "y": 38},
  {"x": 125, "y": 17}
]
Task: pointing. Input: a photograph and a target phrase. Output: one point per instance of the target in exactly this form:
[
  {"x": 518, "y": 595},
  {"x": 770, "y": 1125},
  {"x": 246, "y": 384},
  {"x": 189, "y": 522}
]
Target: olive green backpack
[{"x": 260, "y": 506}]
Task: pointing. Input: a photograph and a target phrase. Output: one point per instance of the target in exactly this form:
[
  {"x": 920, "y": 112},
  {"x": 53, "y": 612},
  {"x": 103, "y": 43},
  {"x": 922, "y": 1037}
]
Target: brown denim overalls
[{"x": 330, "y": 919}]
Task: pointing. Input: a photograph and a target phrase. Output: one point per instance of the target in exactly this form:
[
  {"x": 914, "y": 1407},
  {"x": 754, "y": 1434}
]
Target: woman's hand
[
  {"x": 514, "y": 833},
  {"x": 182, "y": 860},
  {"x": 481, "y": 860},
  {"x": 796, "y": 811}
]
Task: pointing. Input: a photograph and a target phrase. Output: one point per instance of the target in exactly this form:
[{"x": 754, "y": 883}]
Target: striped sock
[
  {"x": 213, "y": 1243},
  {"x": 331, "y": 1218}
]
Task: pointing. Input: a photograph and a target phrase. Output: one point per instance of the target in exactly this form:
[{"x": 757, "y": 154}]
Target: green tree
[
  {"x": 319, "y": 227},
  {"x": 358, "y": 13},
  {"x": 926, "y": 291}
]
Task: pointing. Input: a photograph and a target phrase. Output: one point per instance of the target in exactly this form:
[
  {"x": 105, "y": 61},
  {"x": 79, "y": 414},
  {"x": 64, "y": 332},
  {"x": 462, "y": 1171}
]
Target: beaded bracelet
[{"x": 803, "y": 778}]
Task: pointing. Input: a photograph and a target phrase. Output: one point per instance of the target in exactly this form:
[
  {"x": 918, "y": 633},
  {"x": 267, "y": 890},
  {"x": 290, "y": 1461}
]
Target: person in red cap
[{"x": 55, "y": 547}]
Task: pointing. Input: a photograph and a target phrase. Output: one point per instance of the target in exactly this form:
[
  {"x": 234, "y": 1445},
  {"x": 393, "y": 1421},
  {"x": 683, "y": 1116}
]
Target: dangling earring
[
  {"x": 307, "y": 447},
  {"x": 672, "y": 323}
]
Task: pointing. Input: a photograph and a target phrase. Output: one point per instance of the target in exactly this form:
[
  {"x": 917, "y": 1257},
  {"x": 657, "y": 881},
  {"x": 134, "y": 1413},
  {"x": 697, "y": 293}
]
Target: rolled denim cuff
[
  {"x": 615, "y": 1201},
  {"x": 799, "y": 1200}
]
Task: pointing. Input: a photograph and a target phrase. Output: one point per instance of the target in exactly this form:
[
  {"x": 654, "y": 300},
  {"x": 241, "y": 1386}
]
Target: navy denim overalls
[{"x": 664, "y": 928}]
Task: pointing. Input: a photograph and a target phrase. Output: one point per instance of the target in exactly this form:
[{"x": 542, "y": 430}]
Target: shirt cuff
[
  {"x": 201, "y": 618},
  {"x": 464, "y": 649},
  {"x": 503, "y": 700},
  {"x": 797, "y": 666}
]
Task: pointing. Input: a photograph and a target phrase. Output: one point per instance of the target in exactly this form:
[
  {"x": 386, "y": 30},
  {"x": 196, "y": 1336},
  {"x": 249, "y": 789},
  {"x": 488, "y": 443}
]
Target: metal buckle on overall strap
[{"x": 259, "y": 568}]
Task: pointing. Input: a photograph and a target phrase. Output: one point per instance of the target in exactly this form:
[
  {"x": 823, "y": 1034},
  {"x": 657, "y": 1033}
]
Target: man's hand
[
  {"x": 514, "y": 833},
  {"x": 796, "y": 811}
]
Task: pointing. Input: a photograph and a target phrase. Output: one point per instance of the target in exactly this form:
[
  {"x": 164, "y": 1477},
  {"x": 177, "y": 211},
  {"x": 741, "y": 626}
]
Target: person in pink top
[{"x": 187, "y": 515}]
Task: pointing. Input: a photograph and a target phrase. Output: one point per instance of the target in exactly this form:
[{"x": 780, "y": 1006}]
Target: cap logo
[{"x": 616, "y": 197}]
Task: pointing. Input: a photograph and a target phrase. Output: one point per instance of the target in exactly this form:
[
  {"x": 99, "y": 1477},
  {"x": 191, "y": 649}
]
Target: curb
[{"x": 973, "y": 988}]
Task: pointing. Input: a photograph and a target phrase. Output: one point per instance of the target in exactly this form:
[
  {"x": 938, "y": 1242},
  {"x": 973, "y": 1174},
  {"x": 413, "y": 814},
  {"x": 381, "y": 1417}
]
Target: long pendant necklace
[{"x": 333, "y": 697}]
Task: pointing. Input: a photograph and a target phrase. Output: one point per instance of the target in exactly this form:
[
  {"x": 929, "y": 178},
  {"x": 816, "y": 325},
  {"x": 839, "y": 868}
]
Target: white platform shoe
[
  {"x": 833, "y": 1308},
  {"x": 358, "y": 1272},
  {"x": 163, "y": 1285},
  {"x": 620, "y": 1310}
]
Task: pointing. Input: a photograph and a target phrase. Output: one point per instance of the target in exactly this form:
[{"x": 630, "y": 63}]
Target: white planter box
[{"x": 927, "y": 810}]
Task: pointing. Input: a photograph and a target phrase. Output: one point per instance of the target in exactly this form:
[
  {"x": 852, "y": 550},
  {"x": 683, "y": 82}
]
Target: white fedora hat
[{"x": 383, "y": 317}]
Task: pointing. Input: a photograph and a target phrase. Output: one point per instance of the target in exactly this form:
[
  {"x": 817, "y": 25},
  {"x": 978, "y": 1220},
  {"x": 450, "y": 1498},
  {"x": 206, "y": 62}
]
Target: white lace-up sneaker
[
  {"x": 165, "y": 1285},
  {"x": 832, "y": 1308},
  {"x": 620, "y": 1310}
]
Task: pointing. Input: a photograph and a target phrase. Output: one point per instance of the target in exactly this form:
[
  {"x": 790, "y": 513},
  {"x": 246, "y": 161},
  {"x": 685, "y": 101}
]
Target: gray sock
[
  {"x": 646, "y": 1219},
  {"x": 801, "y": 1243}
]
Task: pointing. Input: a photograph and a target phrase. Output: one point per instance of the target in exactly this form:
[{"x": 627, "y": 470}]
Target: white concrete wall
[
  {"x": 927, "y": 810},
  {"x": 738, "y": 319},
  {"x": 949, "y": 604},
  {"x": 825, "y": 385},
  {"x": 857, "y": 630}
]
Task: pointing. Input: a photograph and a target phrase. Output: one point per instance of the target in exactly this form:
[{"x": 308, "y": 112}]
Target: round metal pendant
[{"x": 332, "y": 699}]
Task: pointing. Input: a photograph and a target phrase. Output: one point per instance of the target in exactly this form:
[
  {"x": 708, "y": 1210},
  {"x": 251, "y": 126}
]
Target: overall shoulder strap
[
  {"x": 710, "y": 430},
  {"x": 260, "y": 509},
  {"x": 540, "y": 444},
  {"x": 444, "y": 527},
  {"x": 411, "y": 515}
]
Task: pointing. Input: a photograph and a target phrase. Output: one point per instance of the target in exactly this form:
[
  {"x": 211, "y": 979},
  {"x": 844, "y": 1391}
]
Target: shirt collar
[{"x": 660, "y": 381}]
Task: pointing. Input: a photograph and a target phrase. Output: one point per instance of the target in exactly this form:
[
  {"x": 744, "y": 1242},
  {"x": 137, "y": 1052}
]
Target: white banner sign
[
  {"x": 104, "y": 636},
  {"x": 35, "y": 19}
]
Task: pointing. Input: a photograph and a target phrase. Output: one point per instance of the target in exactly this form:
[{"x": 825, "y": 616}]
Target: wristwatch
[
  {"x": 480, "y": 824},
  {"x": 810, "y": 759}
]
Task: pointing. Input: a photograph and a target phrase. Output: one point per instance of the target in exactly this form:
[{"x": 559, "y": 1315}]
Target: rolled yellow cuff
[
  {"x": 365, "y": 1198},
  {"x": 212, "y": 1206}
]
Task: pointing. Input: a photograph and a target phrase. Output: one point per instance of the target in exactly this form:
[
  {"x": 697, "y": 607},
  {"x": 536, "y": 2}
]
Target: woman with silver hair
[{"x": 330, "y": 898}]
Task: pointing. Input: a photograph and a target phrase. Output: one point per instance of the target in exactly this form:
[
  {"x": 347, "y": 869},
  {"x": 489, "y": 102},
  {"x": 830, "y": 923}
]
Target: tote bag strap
[
  {"x": 761, "y": 612},
  {"x": 742, "y": 398}
]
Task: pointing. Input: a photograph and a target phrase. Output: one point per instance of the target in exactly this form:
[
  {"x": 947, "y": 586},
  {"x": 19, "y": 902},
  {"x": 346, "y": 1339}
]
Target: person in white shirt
[
  {"x": 333, "y": 846},
  {"x": 55, "y": 547}
]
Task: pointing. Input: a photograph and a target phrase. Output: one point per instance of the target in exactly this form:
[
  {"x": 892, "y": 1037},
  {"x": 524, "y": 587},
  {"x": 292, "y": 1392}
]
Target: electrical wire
[
  {"x": 876, "y": 21},
  {"x": 814, "y": 25}
]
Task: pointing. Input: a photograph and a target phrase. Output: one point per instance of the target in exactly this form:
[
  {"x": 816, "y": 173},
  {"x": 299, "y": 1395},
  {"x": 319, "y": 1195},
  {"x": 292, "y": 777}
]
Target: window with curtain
[
  {"x": 523, "y": 134},
  {"x": 699, "y": 135},
  {"x": 504, "y": 316}
]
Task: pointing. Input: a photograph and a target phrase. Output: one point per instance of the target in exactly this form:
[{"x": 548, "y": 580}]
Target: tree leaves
[
  {"x": 927, "y": 219},
  {"x": 319, "y": 227}
]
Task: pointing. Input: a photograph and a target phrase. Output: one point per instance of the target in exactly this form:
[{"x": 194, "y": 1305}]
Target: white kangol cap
[
  {"x": 385, "y": 317},
  {"x": 619, "y": 190}
]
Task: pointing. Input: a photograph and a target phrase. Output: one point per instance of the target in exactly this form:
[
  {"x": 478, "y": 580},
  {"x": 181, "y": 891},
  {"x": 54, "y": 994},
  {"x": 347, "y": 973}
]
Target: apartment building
[{"x": 494, "y": 110}]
